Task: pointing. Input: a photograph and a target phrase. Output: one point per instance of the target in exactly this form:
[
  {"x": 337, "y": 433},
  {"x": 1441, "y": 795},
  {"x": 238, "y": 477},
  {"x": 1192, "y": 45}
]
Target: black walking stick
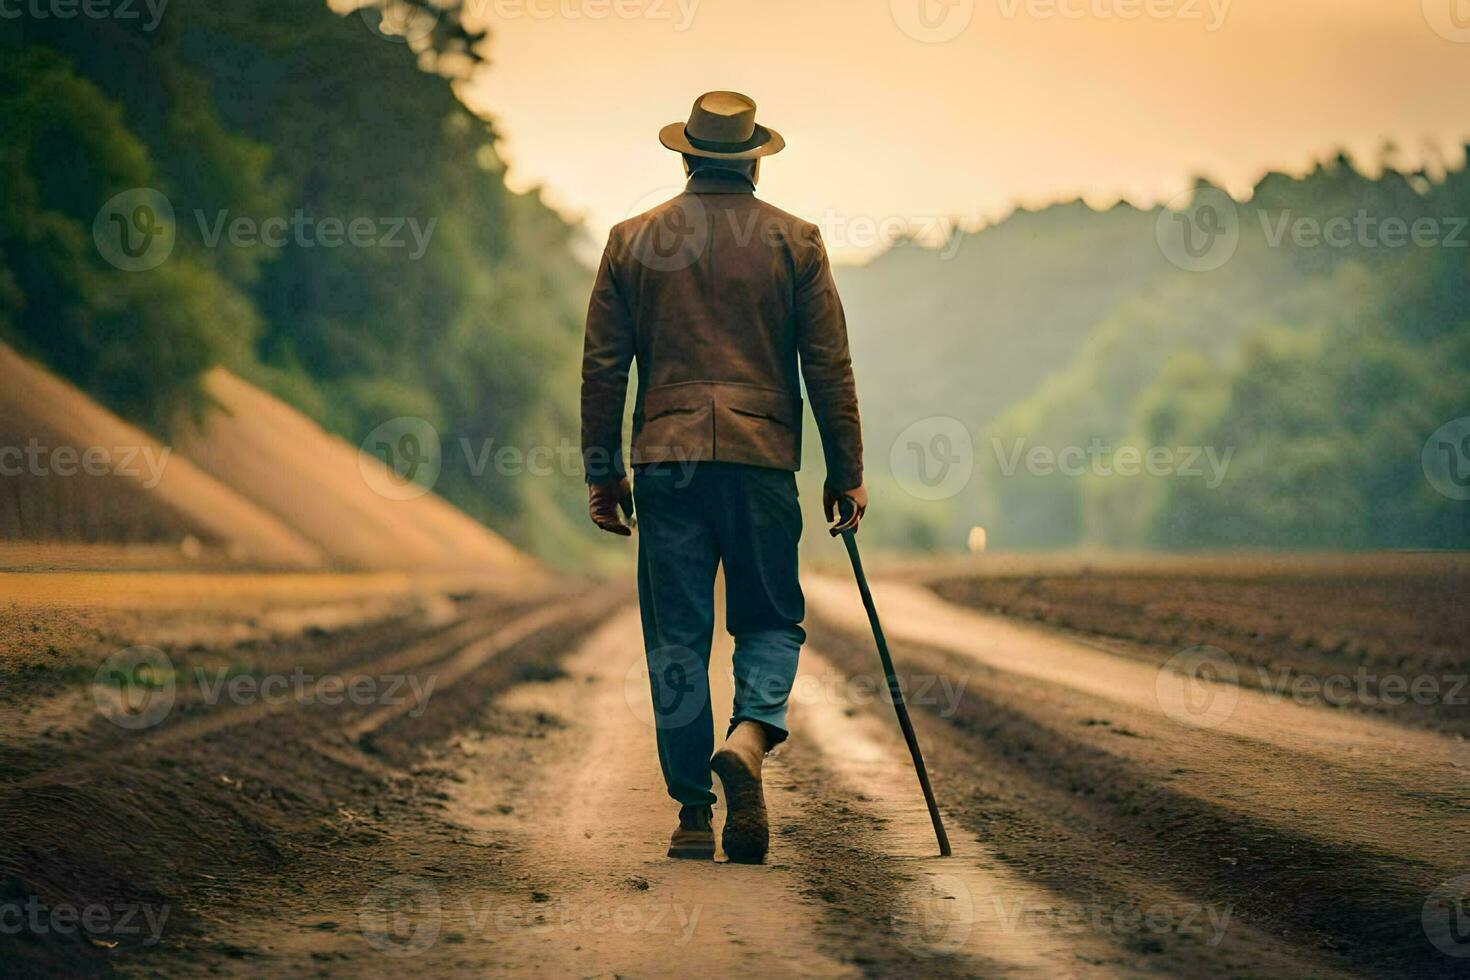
[{"x": 849, "y": 538}]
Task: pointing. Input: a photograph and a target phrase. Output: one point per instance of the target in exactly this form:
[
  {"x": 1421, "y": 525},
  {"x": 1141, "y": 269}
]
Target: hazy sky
[{"x": 1028, "y": 101}]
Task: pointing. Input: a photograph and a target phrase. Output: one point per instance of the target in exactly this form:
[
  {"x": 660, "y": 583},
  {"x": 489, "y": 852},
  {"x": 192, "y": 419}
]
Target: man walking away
[{"x": 727, "y": 305}]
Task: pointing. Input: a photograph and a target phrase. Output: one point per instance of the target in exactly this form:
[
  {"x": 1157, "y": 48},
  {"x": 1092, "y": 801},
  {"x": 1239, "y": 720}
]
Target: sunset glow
[{"x": 1030, "y": 101}]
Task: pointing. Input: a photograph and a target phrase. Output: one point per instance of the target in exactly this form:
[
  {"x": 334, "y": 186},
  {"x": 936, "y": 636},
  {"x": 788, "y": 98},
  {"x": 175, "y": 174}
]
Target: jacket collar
[{"x": 716, "y": 181}]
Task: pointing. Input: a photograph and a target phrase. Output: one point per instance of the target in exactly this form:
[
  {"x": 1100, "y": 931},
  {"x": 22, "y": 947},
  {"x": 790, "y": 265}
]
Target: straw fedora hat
[{"x": 722, "y": 126}]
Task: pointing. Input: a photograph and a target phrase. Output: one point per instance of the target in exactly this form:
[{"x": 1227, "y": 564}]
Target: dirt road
[{"x": 503, "y": 813}]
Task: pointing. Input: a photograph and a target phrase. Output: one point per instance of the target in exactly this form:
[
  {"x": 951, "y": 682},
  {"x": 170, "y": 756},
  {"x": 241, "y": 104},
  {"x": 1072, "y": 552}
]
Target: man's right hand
[
  {"x": 603, "y": 501},
  {"x": 830, "y": 500}
]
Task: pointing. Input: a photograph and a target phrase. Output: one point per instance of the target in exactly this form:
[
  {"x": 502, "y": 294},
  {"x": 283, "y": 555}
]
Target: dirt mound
[
  {"x": 319, "y": 486},
  {"x": 1354, "y": 631},
  {"x": 71, "y": 471},
  {"x": 261, "y": 485},
  {"x": 225, "y": 792}
]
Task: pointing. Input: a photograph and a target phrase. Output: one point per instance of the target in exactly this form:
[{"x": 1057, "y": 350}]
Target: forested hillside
[
  {"x": 450, "y": 298},
  {"x": 1314, "y": 361},
  {"x": 1313, "y": 368}
]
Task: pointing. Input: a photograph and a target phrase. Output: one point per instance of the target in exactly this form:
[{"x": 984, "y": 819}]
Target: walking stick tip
[{"x": 905, "y": 725}]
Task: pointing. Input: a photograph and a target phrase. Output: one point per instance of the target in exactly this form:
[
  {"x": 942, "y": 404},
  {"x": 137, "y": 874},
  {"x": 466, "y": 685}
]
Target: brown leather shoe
[
  {"x": 694, "y": 838},
  {"x": 746, "y": 836}
]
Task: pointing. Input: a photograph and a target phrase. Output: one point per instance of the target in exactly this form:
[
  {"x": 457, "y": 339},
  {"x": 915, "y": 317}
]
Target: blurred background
[
  {"x": 1180, "y": 275},
  {"x": 1160, "y": 316}
]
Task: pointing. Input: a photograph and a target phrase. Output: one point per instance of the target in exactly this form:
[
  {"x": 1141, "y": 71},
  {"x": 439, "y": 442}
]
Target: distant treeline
[
  {"x": 382, "y": 268},
  {"x": 1287, "y": 381},
  {"x": 1300, "y": 378}
]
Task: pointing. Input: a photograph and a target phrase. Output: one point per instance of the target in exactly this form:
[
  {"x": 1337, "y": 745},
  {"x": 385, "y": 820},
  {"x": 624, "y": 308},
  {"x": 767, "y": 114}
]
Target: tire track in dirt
[
  {"x": 969, "y": 904},
  {"x": 590, "y": 822},
  {"x": 469, "y": 657},
  {"x": 1366, "y": 745},
  {"x": 247, "y": 824},
  {"x": 980, "y": 904},
  {"x": 1294, "y": 755},
  {"x": 852, "y": 883},
  {"x": 535, "y": 841},
  {"x": 447, "y": 657},
  {"x": 1255, "y": 809}
]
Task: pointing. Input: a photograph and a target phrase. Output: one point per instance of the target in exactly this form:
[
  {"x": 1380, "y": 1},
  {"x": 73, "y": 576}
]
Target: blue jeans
[{"x": 692, "y": 518}]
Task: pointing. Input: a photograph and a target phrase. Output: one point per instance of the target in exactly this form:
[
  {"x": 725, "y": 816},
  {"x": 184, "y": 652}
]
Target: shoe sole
[
  {"x": 746, "y": 836},
  {"x": 694, "y": 852}
]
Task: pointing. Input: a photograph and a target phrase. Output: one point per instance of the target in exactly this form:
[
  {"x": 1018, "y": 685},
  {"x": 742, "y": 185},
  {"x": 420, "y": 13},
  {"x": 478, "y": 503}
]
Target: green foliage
[
  {"x": 138, "y": 342},
  {"x": 261, "y": 110},
  {"x": 1320, "y": 370},
  {"x": 1313, "y": 374}
]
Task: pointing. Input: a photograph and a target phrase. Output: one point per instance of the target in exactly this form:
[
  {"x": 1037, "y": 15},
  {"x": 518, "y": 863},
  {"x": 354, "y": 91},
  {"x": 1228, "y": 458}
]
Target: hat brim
[{"x": 765, "y": 142}]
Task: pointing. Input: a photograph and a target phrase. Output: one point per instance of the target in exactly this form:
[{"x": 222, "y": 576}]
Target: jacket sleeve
[
  {"x": 607, "y": 355},
  {"x": 826, "y": 368}
]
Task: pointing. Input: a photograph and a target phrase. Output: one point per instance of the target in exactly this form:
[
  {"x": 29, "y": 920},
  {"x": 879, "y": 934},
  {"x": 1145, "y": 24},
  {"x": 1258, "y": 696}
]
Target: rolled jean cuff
[
  {"x": 774, "y": 723},
  {"x": 693, "y": 795}
]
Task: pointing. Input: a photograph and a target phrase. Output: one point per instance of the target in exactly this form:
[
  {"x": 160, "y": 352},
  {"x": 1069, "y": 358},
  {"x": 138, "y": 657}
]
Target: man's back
[{"x": 726, "y": 302}]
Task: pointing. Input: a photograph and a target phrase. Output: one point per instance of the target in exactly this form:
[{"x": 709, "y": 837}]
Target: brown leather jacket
[{"x": 727, "y": 304}]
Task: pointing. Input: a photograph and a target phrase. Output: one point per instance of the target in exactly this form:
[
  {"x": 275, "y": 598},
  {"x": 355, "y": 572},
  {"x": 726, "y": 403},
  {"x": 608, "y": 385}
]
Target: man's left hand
[
  {"x": 603, "y": 501},
  {"x": 831, "y": 504}
]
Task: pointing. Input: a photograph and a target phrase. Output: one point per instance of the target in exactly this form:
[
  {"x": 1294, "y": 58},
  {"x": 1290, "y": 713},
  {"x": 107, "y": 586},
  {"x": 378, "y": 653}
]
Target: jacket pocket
[
  {"x": 749, "y": 413},
  {"x": 757, "y": 425},
  {"x": 677, "y": 426},
  {"x": 676, "y": 410}
]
